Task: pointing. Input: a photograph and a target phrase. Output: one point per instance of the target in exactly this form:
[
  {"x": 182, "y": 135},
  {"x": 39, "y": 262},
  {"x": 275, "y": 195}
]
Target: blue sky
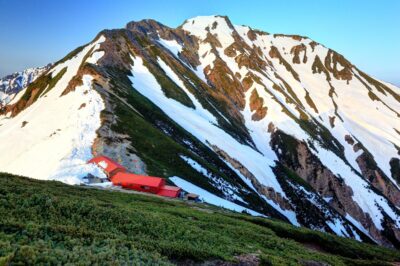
[{"x": 35, "y": 32}]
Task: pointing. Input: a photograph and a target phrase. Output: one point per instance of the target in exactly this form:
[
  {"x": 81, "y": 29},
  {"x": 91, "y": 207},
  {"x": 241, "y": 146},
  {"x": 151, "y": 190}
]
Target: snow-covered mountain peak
[{"x": 201, "y": 25}]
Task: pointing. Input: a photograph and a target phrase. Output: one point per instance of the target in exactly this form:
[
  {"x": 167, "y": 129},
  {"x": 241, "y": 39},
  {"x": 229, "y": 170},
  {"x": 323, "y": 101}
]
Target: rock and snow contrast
[{"x": 270, "y": 124}]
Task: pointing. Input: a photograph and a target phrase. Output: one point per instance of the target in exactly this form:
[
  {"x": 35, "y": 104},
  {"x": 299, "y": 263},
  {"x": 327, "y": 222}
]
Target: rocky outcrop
[
  {"x": 274, "y": 53},
  {"x": 338, "y": 66},
  {"x": 296, "y": 50},
  {"x": 296, "y": 156},
  {"x": 395, "y": 169},
  {"x": 257, "y": 106},
  {"x": 376, "y": 177},
  {"x": 112, "y": 144},
  {"x": 268, "y": 192}
]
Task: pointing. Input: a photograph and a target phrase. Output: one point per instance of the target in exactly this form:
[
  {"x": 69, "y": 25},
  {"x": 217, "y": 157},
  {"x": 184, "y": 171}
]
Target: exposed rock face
[
  {"x": 274, "y": 53},
  {"x": 395, "y": 169},
  {"x": 377, "y": 178},
  {"x": 256, "y": 104},
  {"x": 277, "y": 124},
  {"x": 307, "y": 166},
  {"x": 114, "y": 145},
  {"x": 335, "y": 61},
  {"x": 268, "y": 192},
  {"x": 296, "y": 50}
]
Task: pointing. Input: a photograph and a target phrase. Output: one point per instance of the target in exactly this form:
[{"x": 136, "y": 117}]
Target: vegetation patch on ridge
[{"x": 47, "y": 222}]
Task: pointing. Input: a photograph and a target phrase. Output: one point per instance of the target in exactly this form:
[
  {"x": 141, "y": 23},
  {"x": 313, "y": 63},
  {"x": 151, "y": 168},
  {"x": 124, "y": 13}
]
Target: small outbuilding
[
  {"x": 109, "y": 166},
  {"x": 191, "y": 197},
  {"x": 170, "y": 191}
]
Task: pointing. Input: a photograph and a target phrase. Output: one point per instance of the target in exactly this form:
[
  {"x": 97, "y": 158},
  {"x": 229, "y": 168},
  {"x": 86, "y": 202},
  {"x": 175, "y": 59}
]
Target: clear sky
[{"x": 367, "y": 32}]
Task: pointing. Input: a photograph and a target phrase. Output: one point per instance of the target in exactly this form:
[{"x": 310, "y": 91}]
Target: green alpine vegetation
[{"x": 47, "y": 222}]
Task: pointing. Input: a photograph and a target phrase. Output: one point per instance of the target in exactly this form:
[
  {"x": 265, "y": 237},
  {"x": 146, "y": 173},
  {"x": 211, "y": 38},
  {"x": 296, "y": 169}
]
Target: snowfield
[{"x": 52, "y": 139}]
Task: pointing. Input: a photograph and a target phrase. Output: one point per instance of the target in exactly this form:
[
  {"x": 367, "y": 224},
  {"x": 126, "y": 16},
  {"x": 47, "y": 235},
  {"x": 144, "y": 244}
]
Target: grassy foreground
[{"x": 43, "y": 222}]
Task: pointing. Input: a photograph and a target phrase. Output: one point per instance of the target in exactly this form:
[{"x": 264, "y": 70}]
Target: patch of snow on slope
[
  {"x": 174, "y": 77},
  {"x": 171, "y": 45},
  {"x": 209, "y": 197},
  {"x": 242, "y": 31},
  {"x": 199, "y": 71},
  {"x": 335, "y": 222},
  {"x": 228, "y": 190},
  {"x": 369, "y": 201},
  {"x": 17, "y": 97},
  {"x": 207, "y": 58},
  {"x": 73, "y": 168},
  {"x": 95, "y": 57},
  {"x": 359, "y": 226},
  {"x": 337, "y": 227},
  {"x": 57, "y": 133},
  {"x": 290, "y": 215},
  {"x": 202, "y": 25},
  {"x": 4, "y": 98},
  {"x": 175, "y": 48}
]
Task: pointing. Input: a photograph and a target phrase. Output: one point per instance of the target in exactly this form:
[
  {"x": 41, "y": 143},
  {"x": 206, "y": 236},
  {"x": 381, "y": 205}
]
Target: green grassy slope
[{"x": 52, "y": 223}]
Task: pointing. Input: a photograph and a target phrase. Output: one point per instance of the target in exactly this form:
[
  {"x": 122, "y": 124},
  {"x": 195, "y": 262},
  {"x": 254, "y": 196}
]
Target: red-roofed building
[
  {"x": 138, "y": 182},
  {"x": 120, "y": 177},
  {"x": 170, "y": 191},
  {"x": 109, "y": 166}
]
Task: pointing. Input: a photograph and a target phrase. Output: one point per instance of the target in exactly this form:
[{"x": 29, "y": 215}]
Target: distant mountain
[
  {"x": 276, "y": 124},
  {"x": 10, "y": 85}
]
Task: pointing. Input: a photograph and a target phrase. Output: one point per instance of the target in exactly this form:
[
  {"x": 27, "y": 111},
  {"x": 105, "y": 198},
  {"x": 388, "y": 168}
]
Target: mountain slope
[
  {"x": 75, "y": 225},
  {"x": 278, "y": 124}
]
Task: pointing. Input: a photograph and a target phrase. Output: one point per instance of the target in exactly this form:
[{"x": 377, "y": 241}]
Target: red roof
[
  {"x": 119, "y": 177},
  {"x": 128, "y": 179},
  {"x": 169, "y": 191},
  {"x": 107, "y": 164}
]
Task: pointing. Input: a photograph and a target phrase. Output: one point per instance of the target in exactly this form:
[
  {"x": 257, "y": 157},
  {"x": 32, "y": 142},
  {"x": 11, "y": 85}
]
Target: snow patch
[
  {"x": 217, "y": 182},
  {"x": 209, "y": 197},
  {"x": 172, "y": 45},
  {"x": 56, "y": 142},
  {"x": 74, "y": 168}
]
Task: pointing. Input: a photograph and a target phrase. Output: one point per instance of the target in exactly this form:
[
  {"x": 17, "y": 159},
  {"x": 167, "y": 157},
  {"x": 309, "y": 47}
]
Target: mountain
[
  {"x": 12, "y": 84},
  {"x": 271, "y": 124}
]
